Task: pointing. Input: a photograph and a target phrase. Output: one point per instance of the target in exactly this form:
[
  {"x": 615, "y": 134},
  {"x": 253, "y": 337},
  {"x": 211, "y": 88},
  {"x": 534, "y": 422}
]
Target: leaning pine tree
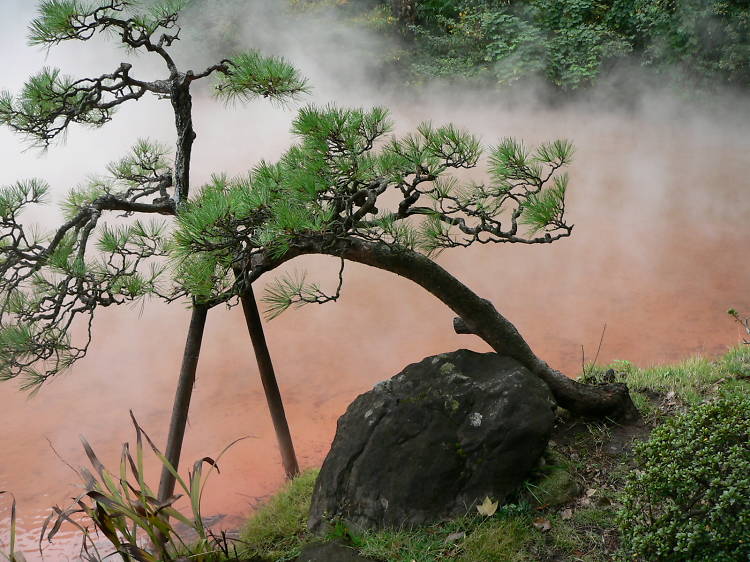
[
  {"x": 349, "y": 191},
  {"x": 54, "y": 282}
]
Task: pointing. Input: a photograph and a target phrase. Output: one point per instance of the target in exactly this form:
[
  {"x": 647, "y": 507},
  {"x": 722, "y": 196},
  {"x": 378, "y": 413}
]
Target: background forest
[{"x": 569, "y": 44}]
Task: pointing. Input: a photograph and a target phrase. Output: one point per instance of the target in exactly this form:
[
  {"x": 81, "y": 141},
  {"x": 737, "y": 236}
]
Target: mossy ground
[{"x": 565, "y": 512}]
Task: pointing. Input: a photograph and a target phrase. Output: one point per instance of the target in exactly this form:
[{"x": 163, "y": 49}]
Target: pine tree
[
  {"x": 348, "y": 190},
  {"x": 52, "y": 280}
]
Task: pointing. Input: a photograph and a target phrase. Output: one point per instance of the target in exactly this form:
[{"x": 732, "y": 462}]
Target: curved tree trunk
[{"x": 482, "y": 319}]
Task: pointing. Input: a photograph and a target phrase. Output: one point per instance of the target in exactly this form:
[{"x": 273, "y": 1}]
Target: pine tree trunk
[
  {"x": 270, "y": 386},
  {"x": 182, "y": 399},
  {"x": 182, "y": 104},
  {"x": 480, "y": 316}
]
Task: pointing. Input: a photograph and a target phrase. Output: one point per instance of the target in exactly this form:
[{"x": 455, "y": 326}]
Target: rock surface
[{"x": 433, "y": 441}]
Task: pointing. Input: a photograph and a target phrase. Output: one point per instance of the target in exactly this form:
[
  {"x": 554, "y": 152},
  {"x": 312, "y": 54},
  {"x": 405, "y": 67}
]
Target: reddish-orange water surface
[
  {"x": 658, "y": 253},
  {"x": 660, "y": 201}
]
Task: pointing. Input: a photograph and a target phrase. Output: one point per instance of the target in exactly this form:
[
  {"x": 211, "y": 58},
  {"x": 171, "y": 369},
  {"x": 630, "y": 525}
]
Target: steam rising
[{"x": 658, "y": 196}]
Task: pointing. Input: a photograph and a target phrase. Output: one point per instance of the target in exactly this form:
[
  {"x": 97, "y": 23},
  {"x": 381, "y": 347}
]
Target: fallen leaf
[
  {"x": 566, "y": 513},
  {"x": 542, "y": 524},
  {"x": 590, "y": 492},
  {"x": 453, "y": 537},
  {"x": 487, "y": 507}
]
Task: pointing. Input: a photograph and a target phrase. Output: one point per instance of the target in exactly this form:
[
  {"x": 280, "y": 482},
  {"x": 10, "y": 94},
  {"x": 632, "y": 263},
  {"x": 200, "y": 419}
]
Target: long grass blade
[
  {"x": 137, "y": 553},
  {"x": 163, "y": 459},
  {"x": 45, "y": 523},
  {"x": 216, "y": 465},
  {"x": 13, "y": 527}
]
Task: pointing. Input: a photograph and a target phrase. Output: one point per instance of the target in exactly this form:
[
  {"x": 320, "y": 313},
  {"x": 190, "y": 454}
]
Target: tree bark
[
  {"x": 182, "y": 104},
  {"x": 182, "y": 399},
  {"x": 481, "y": 318},
  {"x": 270, "y": 385}
]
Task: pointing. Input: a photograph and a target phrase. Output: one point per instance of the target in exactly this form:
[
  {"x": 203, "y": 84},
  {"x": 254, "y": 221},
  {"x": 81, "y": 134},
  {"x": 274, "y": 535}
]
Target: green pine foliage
[
  {"x": 334, "y": 183},
  {"x": 49, "y": 279},
  {"x": 252, "y": 75},
  {"x": 47, "y": 100},
  {"x": 62, "y": 20},
  {"x": 14, "y": 198},
  {"x": 54, "y": 22},
  {"x": 546, "y": 207}
]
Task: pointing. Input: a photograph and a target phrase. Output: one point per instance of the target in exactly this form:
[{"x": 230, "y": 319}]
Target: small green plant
[
  {"x": 340, "y": 532},
  {"x": 124, "y": 509},
  {"x": 744, "y": 322},
  {"x": 11, "y": 555},
  {"x": 690, "y": 497}
]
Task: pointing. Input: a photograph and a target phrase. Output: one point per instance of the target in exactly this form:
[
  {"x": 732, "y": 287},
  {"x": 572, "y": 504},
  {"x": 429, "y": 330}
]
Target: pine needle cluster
[{"x": 346, "y": 178}]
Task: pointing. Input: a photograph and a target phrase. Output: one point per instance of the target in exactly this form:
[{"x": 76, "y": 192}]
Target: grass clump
[
  {"x": 555, "y": 483},
  {"x": 689, "y": 498},
  {"x": 506, "y": 539},
  {"x": 689, "y": 381},
  {"x": 278, "y": 530},
  {"x": 473, "y": 537}
]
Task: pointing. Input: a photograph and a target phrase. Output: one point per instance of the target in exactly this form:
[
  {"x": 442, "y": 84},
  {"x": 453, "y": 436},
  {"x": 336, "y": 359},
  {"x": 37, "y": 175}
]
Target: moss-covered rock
[{"x": 433, "y": 441}]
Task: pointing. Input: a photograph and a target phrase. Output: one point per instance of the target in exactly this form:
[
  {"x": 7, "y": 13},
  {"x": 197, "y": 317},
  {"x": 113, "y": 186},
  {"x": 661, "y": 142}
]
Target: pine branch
[
  {"x": 85, "y": 264},
  {"x": 344, "y": 179},
  {"x": 49, "y": 102},
  {"x": 249, "y": 75},
  {"x": 293, "y": 291}
]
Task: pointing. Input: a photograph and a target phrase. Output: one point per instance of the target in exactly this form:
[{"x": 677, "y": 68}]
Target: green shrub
[{"x": 689, "y": 499}]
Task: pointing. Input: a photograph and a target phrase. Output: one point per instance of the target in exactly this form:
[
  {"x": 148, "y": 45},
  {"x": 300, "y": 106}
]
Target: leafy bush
[{"x": 690, "y": 497}]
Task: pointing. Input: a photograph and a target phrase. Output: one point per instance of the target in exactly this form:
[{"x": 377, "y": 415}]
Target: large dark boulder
[{"x": 433, "y": 441}]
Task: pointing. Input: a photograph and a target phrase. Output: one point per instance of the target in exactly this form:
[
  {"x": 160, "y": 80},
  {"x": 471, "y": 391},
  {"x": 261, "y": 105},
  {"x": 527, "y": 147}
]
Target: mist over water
[{"x": 658, "y": 196}]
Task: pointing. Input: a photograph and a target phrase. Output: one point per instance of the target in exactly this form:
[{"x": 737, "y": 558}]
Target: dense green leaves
[
  {"x": 547, "y": 207},
  {"x": 690, "y": 497},
  {"x": 55, "y": 21},
  {"x": 570, "y": 43}
]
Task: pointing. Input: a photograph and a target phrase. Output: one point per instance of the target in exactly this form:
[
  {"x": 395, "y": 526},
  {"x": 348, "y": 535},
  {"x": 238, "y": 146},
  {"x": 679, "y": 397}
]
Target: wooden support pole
[
  {"x": 270, "y": 385},
  {"x": 182, "y": 399}
]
